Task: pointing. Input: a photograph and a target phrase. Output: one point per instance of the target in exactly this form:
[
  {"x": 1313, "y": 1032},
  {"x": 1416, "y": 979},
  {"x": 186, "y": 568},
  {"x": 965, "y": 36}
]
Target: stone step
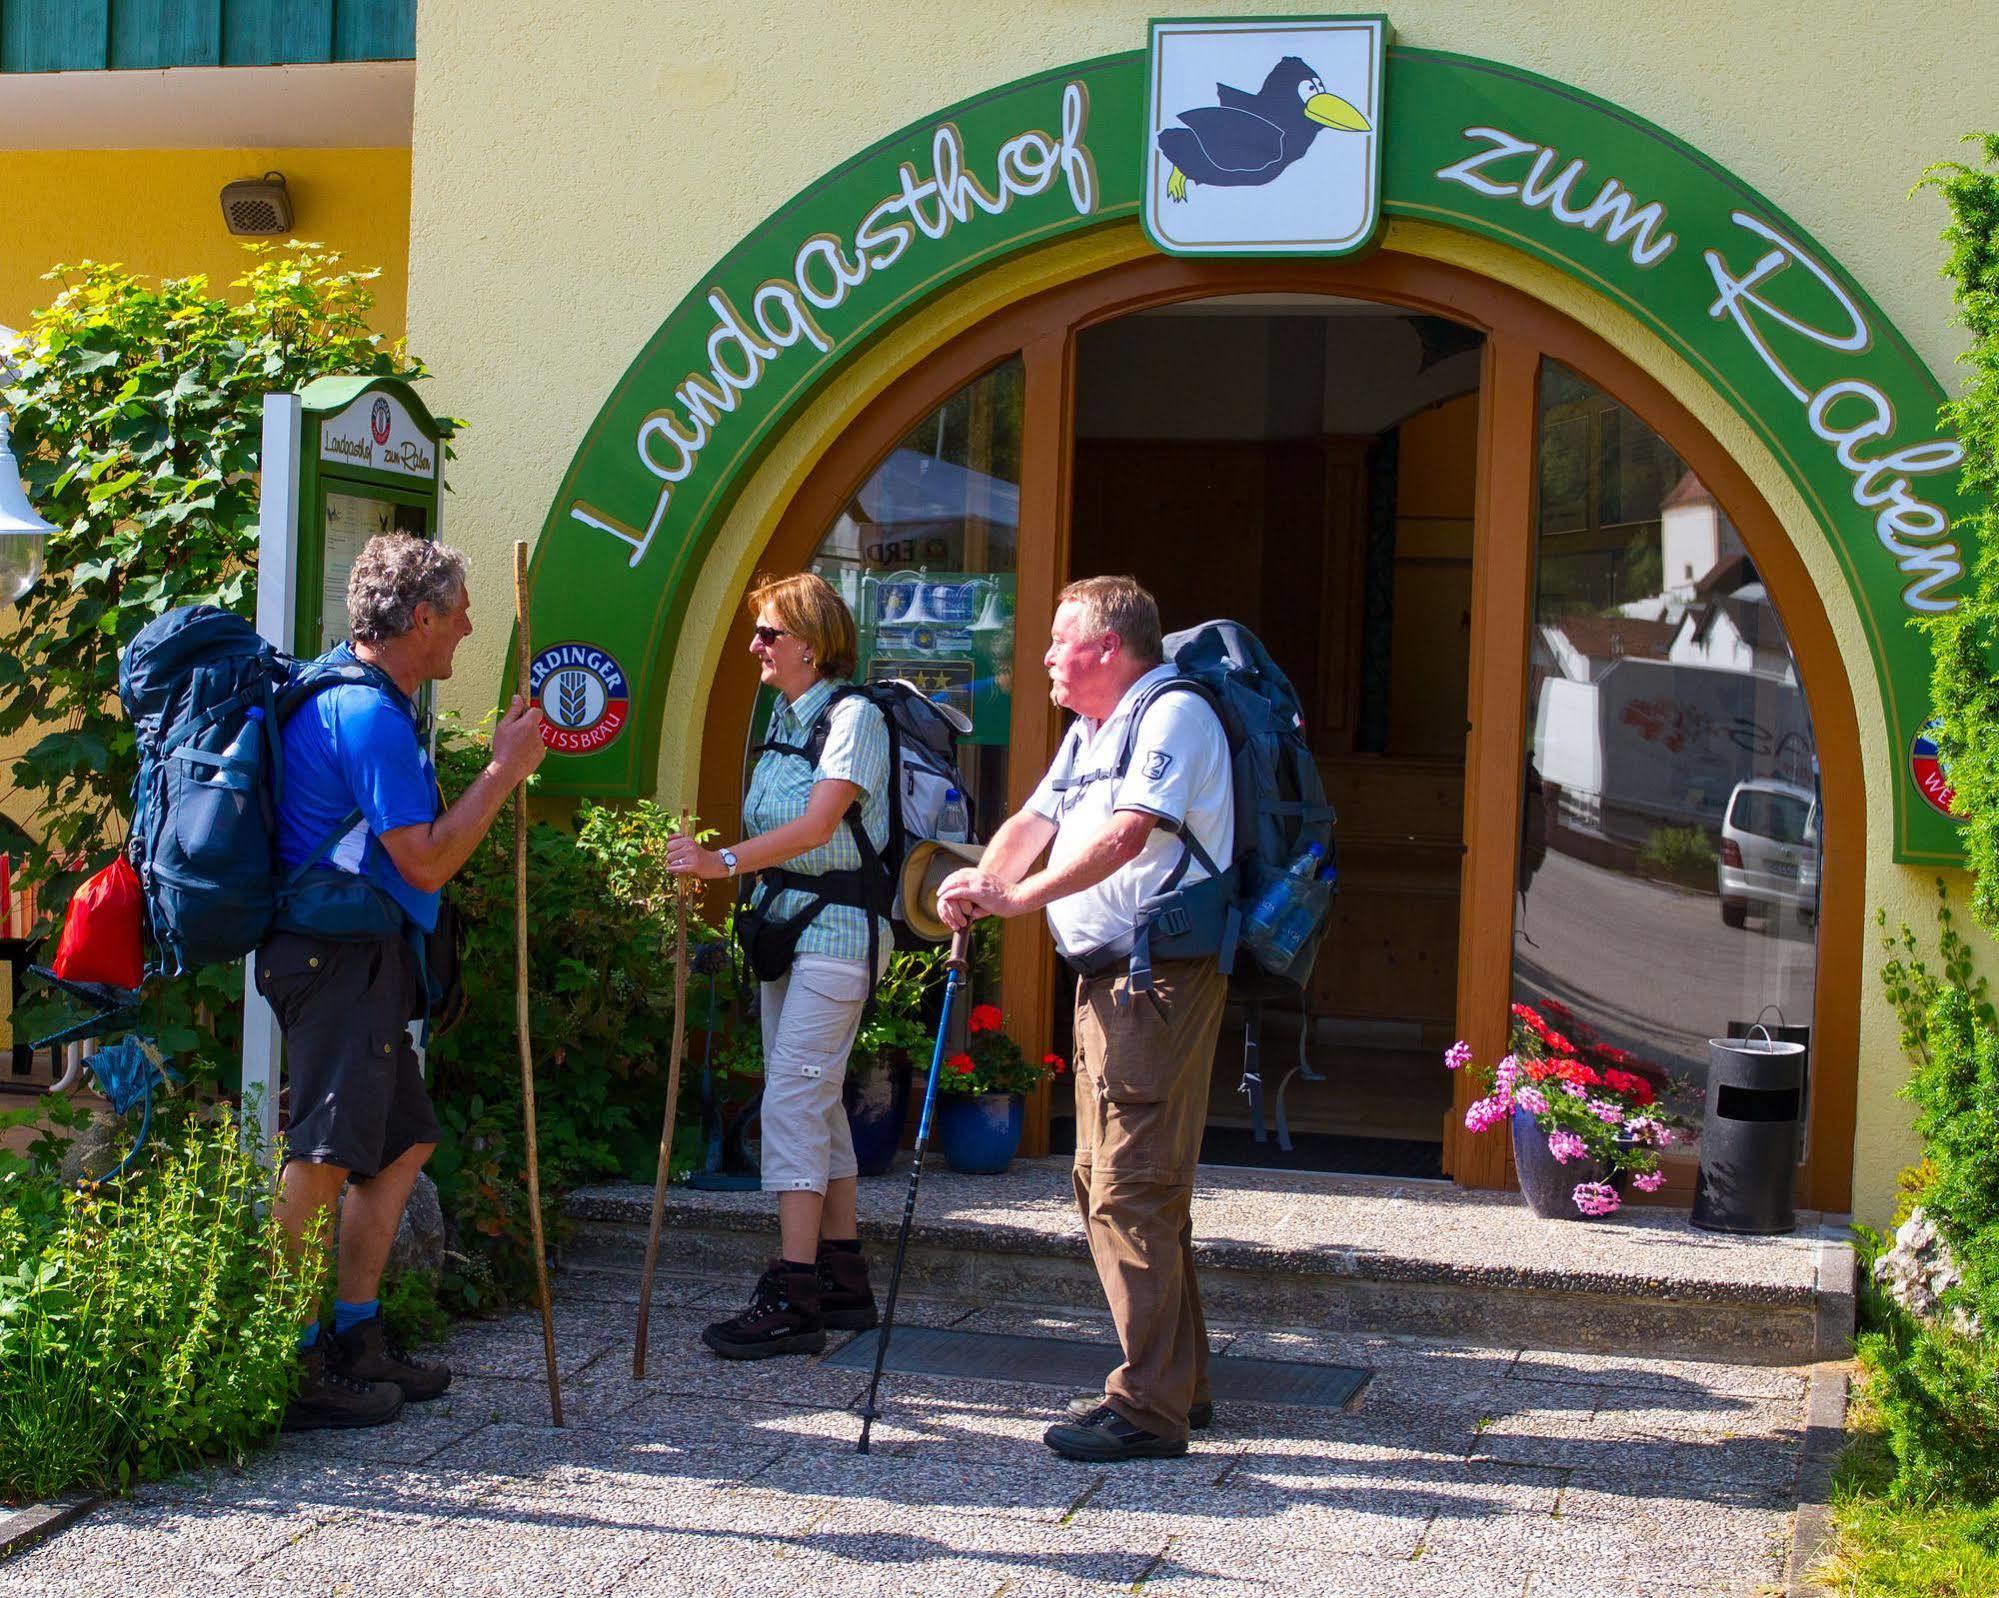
[{"x": 1289, "y": 1249}]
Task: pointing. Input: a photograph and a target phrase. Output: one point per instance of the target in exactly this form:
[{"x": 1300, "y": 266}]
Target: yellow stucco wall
[
  {"x": 679, "y": 138},
  {"x": 158, "y": 212}
]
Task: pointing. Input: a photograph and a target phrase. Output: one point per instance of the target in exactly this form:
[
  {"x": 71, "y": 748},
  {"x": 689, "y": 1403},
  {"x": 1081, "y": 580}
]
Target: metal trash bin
[
  {"x": 1785, "y": 1033},
  {"x": 1749, "y": 1135}
]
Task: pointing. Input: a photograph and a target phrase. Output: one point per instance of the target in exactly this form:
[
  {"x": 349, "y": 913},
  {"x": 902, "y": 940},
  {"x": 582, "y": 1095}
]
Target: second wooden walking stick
[
  {"x": 523, "y": 657},
  {"x": 665, "y": 1173}
]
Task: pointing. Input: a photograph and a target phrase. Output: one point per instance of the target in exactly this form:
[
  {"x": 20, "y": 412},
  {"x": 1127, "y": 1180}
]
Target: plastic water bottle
[
  {"x": 1267, "y": 914},
  {"x": 1301, "y": 918},
  {"x": 954, "y": 825}
]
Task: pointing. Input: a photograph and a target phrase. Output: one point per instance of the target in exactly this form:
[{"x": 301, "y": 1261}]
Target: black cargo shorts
[{"x": 357, "y": 1094}]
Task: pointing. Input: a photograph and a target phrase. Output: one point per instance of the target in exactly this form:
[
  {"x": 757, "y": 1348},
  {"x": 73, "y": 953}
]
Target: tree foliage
[
  {"x": 137, "y": 412},
  {"x": 1965, "y": 642}
]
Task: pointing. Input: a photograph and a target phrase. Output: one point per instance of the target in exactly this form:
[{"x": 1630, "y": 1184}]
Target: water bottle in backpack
[
  {"x": 954, "y": 822},
  {"x": 1274, "y": 911},
  {"x": 1301, "y": 917}
]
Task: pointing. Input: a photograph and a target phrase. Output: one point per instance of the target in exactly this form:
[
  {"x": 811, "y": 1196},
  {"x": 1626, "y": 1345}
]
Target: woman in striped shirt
[{"x": 815, "y": 928}]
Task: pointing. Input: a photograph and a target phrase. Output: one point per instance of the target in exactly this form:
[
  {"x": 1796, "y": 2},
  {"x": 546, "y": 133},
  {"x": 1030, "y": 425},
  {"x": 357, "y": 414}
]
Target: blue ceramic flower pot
[
  {"x": 1547, "y": 1183},
  {"x": 979, "y": 1133},
  {"x": 876, "y": 1096}
]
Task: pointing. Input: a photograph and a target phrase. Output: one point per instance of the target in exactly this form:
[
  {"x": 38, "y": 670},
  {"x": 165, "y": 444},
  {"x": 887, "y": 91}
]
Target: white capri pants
[{"x": 810, "y": 1019}]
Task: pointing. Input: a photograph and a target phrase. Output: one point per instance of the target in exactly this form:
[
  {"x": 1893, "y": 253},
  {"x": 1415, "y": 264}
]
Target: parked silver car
[{"x": 1769, "y": 851}]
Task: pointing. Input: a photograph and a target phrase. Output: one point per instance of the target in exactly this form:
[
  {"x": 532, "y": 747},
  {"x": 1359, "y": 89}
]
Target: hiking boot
[
  {"x": 1200, "y": 1413},
  {"x": 1105, "y": 1437},
  {"x": 846, "y": 1302},
  {"x": 328, "y": 1396},
  {"x": 783, "y": 1317},
  {"x": 365, "y": 1353}
]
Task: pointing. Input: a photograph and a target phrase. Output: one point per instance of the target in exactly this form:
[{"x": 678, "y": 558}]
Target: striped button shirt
[{"x": 856, "y": 751}]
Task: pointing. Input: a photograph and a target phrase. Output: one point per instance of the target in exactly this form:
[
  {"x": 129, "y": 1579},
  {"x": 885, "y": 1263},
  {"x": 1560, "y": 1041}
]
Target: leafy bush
[
  {"x": 146, "y": 1327},
  {"x": 1681, "y": 854},
  {"x": 137, "y": 415},
  {"x": 1964, "y": 642},
  {"x": 1936, "y": 1390},
  {"x": 600, "y": 1016}
]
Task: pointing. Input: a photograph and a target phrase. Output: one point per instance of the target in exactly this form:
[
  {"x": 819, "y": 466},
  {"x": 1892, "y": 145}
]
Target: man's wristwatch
[{"x": 729, "y": 860}]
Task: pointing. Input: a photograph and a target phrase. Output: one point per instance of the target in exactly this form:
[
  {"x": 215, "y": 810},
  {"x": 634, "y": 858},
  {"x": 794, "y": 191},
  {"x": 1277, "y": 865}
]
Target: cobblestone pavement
[{"x": 1459, "y": 1471}]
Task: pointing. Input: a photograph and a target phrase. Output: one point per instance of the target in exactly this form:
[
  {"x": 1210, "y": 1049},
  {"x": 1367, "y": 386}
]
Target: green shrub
[
  {"x": 1684, "y": 854},
  {"x": 145, "y": 1326},
  {"x": 137, "y": 417},
  {"x": 600, "y": 1018}
]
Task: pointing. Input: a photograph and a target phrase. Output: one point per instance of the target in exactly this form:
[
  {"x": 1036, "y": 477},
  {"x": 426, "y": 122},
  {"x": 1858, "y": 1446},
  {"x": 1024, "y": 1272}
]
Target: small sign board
[
  {"x": 377, "y": 431},
  {"x": 1264, "y": 136}
]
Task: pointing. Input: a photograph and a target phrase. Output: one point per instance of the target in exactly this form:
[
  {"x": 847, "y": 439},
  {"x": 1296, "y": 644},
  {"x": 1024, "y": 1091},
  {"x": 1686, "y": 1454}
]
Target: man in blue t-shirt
[{"x": 360, "y": 801}]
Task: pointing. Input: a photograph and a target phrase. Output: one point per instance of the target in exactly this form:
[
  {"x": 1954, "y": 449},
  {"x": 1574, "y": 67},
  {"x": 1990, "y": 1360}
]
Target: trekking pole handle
[{"x": 960, "y": 957}]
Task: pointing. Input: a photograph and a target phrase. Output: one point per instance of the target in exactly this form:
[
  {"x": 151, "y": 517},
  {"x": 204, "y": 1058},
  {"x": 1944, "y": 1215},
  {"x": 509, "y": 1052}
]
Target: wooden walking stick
[
  {"x": 665, "y": 1173},
  {"x": 522, "y": 661}
]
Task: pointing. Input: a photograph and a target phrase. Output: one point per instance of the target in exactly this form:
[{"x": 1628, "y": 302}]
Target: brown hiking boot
[
  {"x": 783, "y": 1317},
  {"x": 366, "y": 1354},
  {"x": 846, "y": 1302},
  {"x": 328, "y": 1396}
]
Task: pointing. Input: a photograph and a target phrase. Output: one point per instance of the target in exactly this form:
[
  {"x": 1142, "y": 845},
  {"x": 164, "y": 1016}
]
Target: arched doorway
[{"x": 1523, "y": 346}]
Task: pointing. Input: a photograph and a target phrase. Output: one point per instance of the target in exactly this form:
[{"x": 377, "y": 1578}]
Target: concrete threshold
[{"x": 1284, "y": 1249}]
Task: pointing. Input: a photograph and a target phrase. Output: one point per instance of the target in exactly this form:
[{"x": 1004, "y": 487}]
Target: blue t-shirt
[{"x": 354, "y": 748}]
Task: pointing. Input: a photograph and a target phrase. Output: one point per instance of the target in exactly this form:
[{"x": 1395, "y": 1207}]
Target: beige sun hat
[{"x": 928, "y": 863}]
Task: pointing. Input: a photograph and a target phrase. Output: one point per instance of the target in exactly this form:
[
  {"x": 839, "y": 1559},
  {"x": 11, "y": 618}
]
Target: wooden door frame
[{"x": 1520, "y": 331}]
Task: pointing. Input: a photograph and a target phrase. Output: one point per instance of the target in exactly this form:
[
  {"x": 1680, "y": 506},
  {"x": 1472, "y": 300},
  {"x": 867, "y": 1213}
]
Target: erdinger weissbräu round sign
[
  {"x": 584, "y": 698},
  {"x": 1926, "y": 766}
]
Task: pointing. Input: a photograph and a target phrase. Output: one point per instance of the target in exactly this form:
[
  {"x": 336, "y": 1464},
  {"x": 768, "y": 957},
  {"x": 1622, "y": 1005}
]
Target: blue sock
[
  {"x": 310, "y": 1335},
  {"x": 347, "y": 1316}
]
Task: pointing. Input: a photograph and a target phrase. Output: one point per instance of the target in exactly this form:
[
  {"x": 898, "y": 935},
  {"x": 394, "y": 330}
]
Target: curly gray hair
[{"x": 395, "y": 573}]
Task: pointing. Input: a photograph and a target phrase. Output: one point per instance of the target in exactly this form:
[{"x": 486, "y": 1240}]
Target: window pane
[
  {"x": 1669, "y": 870},
  {"x": 924, "y": 556}
]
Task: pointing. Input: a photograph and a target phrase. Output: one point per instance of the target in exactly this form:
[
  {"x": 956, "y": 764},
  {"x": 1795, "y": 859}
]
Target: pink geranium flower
[
  {"x": 1596, "y": 1198},
  {"x": 1531, "y": 1100},
  {"x": 1457, "y": 1056},
  {"x": 1566, "y": 1146},
  {"x": 1649, "y": 1181},
  {"x": 1485, "y": 1113}
]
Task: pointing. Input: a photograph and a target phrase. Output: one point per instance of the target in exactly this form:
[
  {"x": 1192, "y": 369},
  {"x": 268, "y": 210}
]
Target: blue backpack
[
  {"x": 206, "y": 697},
  {"x": 1280, "y": 807}
]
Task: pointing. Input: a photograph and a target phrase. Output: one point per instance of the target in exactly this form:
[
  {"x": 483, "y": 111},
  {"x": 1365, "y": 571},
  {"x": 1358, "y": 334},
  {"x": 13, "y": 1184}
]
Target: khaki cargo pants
[{"x": 1142, "y": 1068}]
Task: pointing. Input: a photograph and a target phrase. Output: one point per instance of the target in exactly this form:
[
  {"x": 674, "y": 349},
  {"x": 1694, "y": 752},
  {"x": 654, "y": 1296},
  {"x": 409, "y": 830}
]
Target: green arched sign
[{"x": 1725, "y": 279}]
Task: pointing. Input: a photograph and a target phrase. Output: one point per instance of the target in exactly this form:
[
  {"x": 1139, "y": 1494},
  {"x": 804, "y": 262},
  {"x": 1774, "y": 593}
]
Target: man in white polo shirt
[{"x": 1147, "y": 1011}]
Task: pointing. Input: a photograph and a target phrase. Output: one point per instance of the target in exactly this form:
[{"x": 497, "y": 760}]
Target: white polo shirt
[{"x": 1179, "y": 772}]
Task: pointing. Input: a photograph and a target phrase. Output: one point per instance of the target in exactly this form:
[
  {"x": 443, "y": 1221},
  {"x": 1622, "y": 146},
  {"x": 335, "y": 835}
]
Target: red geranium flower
[
  {"x": 961, "y": 1063},
  {"x": 985, "y": 1018},
  {"x": 1055, "y": 1063},
  {"x": 1632, "y": 1086}
]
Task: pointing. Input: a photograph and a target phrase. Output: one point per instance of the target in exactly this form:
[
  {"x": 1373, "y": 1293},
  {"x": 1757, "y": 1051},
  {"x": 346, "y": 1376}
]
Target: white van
[{"x": 1769, "y": 851}]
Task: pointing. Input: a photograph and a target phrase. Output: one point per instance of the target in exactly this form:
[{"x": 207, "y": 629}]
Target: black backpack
[{"x": 923, "y": 767}]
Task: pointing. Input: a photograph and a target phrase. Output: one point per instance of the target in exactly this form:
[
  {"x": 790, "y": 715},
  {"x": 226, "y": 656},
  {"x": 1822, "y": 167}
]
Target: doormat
[
  {"x": 1335, "y": 1153},
  {"x": 1325, "y": 1151},
  {"x": 1064, "y": 1362}
]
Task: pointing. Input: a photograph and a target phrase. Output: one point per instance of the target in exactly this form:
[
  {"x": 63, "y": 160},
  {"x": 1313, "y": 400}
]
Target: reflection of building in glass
[{"x": 1650, "y": 714}]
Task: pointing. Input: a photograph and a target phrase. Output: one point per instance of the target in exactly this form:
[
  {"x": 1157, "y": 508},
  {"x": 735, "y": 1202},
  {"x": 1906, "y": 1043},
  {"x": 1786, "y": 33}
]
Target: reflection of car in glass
[{"x": 1769, "y": 851}]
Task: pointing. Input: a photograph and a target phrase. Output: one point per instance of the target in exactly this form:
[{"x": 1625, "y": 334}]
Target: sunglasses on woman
[{"x": 769, "y": 635}]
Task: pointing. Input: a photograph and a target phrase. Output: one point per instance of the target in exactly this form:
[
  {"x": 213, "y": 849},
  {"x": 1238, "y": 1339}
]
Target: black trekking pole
[{"x": 954, "y": 978}]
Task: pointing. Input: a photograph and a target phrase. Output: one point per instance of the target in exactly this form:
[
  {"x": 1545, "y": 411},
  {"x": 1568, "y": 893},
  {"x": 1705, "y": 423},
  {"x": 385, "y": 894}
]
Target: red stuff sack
[{"x": 102, "y": 934}]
